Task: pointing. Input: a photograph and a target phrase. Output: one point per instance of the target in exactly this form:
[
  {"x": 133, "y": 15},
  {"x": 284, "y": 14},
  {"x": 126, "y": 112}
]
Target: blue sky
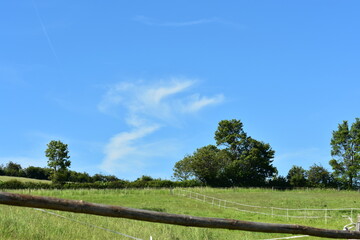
[{"x": 134, "y": 86}]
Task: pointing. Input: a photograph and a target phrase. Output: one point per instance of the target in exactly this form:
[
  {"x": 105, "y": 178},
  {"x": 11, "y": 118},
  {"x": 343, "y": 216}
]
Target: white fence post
[
  {"x": 287, "y": 214},
  {"x": 325, "y": 215}
]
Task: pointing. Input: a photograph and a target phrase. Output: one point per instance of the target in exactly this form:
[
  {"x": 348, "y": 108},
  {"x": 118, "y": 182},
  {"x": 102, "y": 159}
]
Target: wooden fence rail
[{"x": 159, "y": 217}]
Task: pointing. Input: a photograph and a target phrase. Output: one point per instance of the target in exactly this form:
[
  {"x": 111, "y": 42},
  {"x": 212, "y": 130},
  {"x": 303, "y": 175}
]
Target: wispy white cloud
[
  {"x": 148, "y": 107},
  {"x": 123, "y": 146},
  {"x": 156, "y": 94},
  {"x": 198, "y": 102},
  {"x": 162, "y": 101}
]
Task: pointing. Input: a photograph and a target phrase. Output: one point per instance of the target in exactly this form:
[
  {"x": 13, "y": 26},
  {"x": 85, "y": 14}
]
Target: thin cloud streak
[
  {"x": 151, "y": 22},
  {"x": 51, "y": 46}
]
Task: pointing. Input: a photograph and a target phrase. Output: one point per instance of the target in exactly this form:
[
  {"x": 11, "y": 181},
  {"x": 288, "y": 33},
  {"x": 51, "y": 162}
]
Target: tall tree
[
  {"x": 318, "y": 176},
  {"x": 231, "y": 135},
  {"x": 345, "y": 148},
  {"x": 297, "y": 176},
  {"x": 183, "y": 170},
  {"x": 251, "y": 161},
  {"x": 13, "y": 169},
  {"x": 58, "y": 155}
]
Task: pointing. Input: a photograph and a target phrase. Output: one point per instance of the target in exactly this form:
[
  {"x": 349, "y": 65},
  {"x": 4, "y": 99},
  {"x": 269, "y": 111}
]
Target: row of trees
[
  {"x": 239, "y": 160},
  {"x": 317, "y": 176},
  {"x": 16, "y": 170},
  {"x": 236, "y": 160}
]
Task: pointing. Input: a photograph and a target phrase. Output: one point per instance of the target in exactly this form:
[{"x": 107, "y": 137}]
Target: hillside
[{"x": 22, "y": 179}]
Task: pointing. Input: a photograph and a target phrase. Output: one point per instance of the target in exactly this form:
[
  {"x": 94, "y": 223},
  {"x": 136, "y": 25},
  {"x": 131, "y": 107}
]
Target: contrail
[{"x": 45, "y": 32}]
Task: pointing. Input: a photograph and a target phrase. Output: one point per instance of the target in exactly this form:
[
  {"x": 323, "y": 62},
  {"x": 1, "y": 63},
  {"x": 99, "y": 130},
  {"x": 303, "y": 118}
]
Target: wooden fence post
[{"x": 357, "y": 226}]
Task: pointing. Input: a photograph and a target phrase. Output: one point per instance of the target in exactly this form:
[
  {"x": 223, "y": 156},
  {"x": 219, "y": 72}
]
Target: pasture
[
  {"x": 27, "y": 223},
  {"x": 22, "y": 179}
]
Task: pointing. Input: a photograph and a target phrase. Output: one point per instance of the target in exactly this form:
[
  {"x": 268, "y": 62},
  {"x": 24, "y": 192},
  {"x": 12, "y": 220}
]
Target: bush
[{"x": 12, "y": 184}]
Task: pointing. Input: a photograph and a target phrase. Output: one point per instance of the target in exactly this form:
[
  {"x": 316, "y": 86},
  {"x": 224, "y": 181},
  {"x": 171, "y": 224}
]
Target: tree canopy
[
  {"x": 345, "y": 148},
  {"x": 237, "y": 160},
  {"x": 297, "y": 176},
  {"x": 58, "y": 155},
  {"x": 318, "y": 176}
]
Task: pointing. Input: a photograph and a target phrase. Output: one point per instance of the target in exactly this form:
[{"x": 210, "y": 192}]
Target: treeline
[
  {"x": 143, "y": 182},
  {"x": 315, "y": 177},
  {"x": 16, "y": 170},
  {"x": 78, "y": 180}
]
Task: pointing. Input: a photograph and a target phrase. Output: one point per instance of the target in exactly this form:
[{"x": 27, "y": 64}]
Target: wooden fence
[{"x": 167, "y": 218}]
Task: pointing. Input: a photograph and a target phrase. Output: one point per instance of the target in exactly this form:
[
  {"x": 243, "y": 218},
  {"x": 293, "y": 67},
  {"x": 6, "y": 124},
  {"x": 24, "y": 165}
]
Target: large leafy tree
[
  {"x": 345, "y": 150},
  {"x": 183, "y": 170},
  {"x": 13, "y": 169},
  {"x": 297, "y": 176},
  {"x": 251, "y": 160},
  {"x": 206, "y": 164},
  {"x": 237, "y": 160},
  {"x": 58, "y": 155},
  {"x": 318, "y": 176}
]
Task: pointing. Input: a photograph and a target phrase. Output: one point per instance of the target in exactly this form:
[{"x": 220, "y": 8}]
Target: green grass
[
  {"x": 22, "y": 179},
  {"x": 26, "y": 223}
]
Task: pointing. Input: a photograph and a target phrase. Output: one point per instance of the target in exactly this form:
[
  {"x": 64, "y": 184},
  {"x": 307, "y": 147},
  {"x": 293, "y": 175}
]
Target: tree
[
  {"x": 79, "y": 177},
  {"x": 279, "y": 182},
  {"x": 37, "y": 172},
  {"x": 183, "y": 170},
  {"x": 345, "y": 148},
  {"x": 2, "y": 171},
  {"x": 59, "y": 162},
  {"x": 104, "y": 178},
  {"x": 230, "y": 134},
  {"x": 251, "y": 160},
  {"x": 242, "y": 160},
  {"x": 297, "y": 176},
  {"x": 207, "y": 164},
  {"x": 13, "y": 169},
  {"x": 318, "y": 176}
]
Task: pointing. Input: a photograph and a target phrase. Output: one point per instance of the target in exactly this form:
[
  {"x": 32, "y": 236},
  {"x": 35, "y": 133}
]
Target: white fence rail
[{"x": 315, "y": 213}]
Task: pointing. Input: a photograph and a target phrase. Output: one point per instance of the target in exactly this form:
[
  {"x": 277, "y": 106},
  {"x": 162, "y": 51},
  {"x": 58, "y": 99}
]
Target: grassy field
[
  {"x": 26, "y": 223},
  {"x": 21, "y": 179}
]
